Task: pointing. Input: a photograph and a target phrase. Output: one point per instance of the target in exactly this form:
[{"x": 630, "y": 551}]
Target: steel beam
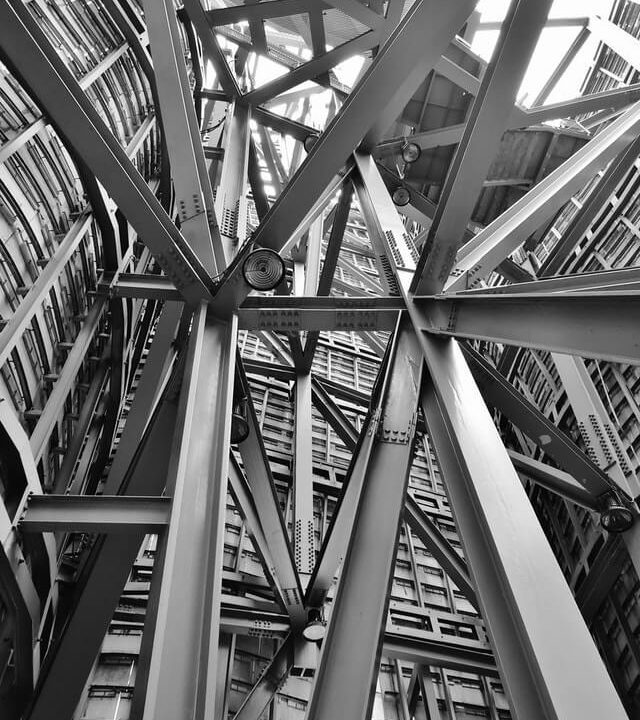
[
  {"x": 258, "y": 473},
  {"x": 563, "y": 65},
  {"x": 592, "y": 206},
  {"x": 501, "y": 394},
  {"x": 505, "y": 234},
  {"x": 290, "y": 314},
  {"x": 597, "y": 324},
  {"x": 259, "y": 11},
  {"x": 417, "y": 648},
  {"x": 553, "y": 479},
  {"x": 95, "y": 514},
  {"x": 312, "y": 68},
  {"x": 411, "y": 51},
  {"x": 30, "y": 54},
  {"x": 29, "y": 305},
  {"x": 608, "y": 99},
  {"x": 69, "y": 661},
  {"x": 194, "y": 197},
  {"x": 606, "y": 280},
  {"x": 197, "y": 16},
  {"x": 618, "y": 39},
  {"x": 76, "y": 356},
  {"x": 268, "y": 684},
  {"x": 183, "y": 667},
  {"x": 481, "y": 138},
  {"x": 303, "y": 529},
  {"x": 548, "y": 662},
  {"x": 330, "y": 262},
  {"x": 440, "y": 548},
  {"x": 357, "y": 622},
  {"x": 333, "y": 415},
  {"x": 231, "y": 202},
  {"x": 241, "y": 492}
]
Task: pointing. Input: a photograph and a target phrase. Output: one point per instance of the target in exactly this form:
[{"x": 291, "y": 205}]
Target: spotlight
[
  {"x": 309, "y": 141},
  {"x": 315, "y": 629},
  {"x": 411, "y": 152},
  {"x": 615, "y": 517},
  {"x": 401, "y": 196},
  {"x": 263, "y": 269},
  {"x": 239, "y": 422}
]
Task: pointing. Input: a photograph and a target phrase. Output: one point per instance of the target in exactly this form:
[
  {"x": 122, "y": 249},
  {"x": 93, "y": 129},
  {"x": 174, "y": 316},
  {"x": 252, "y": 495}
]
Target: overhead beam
[
  {"x": 597, "y": 324},
  {"x": 311, "y": 69},
  {"x": 95, "y": 514}
]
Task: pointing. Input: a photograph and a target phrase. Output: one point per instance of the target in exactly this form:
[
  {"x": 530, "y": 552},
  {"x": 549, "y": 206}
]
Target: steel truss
[{"x": 174, "y": 461}]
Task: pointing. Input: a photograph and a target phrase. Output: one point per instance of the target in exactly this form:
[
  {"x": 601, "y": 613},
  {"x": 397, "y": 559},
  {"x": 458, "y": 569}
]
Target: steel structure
[{"x": 377, "y": 546}]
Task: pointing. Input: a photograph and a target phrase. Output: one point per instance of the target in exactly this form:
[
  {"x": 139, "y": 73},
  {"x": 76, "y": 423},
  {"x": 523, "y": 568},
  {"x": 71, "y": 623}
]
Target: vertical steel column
[
  {"x": 231, "y": 201},
  {"x": 183, "y": 666},
  {"x": 345, "y": 679},
  {"x": 304, "y": 544},
  {"x": 547, "y": 659}
]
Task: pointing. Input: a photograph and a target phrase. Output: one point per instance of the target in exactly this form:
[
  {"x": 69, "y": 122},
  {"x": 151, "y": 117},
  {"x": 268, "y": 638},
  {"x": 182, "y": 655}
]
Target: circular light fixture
[
  {"x": 411, "y": 152},
  {"x": 310, "y": 141},
  {"x": 315, "y": 629},
  {"x": 263, "y": 269},
  {"x": 401, "y": 196},
  {"x": 239, "y": 422},
  {"x": 615, "y": 517}
]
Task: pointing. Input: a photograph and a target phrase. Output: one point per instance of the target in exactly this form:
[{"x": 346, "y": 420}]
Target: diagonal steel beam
[
  {"x": 333, "y": 415},
  {"x": 441, "y": 549},
  {"x": 194, "y": 197},
  {"x": 500, "y": 393},
  {"x": 486, "y": 123},
  {"x": 243, "y": 497},
  {"x": 205, "y": 30},
  {"x": 29, "y": 53},
  {"x": 592, "y": 206},
  {"x": 312, "y": 68},
  {"x": 548, "y": 662},
  {"x": 259, "y": 11},
  {"x": 258, "y": 474},
  {"x": 505, "y": 234},
  {"x": 69, "y": 662},
  {"x": 553, "y": 479},
  {"x": 269, "y": 683},
  {"x": 411, "y": 51},
  {"x": 358, "y": 619}
]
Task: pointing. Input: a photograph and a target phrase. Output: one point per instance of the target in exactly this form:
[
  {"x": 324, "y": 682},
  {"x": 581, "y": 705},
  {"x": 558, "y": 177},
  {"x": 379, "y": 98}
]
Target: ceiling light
[
  {"x": 316, "y": 627},
  {"x": 401, "y": 196},
  {"x": 615, "y": 517},
  {"x": 310, "y": 141},
  {"x": 411, "y": 152},
  {"x": 240, "y": 422},
  {"x": 263, "y": 269}
]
